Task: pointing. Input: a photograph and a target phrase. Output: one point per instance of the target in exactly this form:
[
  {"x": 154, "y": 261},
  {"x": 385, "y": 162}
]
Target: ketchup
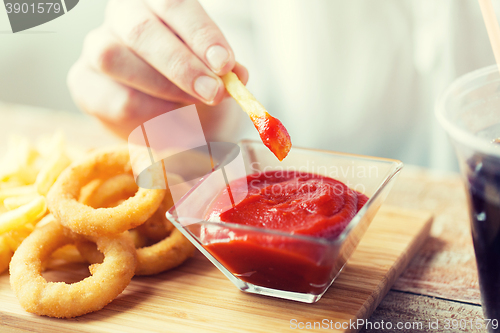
[
  {"x": 295, "y": 203},
  {"x": 273, "y": 134}
]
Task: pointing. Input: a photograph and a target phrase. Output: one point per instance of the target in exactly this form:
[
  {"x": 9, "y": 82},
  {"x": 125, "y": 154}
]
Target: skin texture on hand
[{"x": 150, "y": 57}]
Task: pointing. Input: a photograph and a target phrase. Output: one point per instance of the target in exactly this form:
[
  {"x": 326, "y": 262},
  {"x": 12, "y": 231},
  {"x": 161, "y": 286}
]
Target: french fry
[
  {"x": 245, "y": 99},
  {"x": 15, "y": 237},
  {"x": 49, "y": 172},
  {"x": 11, "y": 203},
  {"x": 28, "y": 167},
  {"x": 26, "y": 175},
  {"x": 16, "y": 191},
  {"x": 272, "y": 132},
  {"x": 10, "y": 184},
  {"x": 49, "y": 218},
  {"x": 28, "y": 213},
  {"x": 20, "y": 162},
  {"x": 68, "y": 253}
]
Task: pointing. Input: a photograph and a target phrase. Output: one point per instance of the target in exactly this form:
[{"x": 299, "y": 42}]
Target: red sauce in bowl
[{"x": 296, "y": 203}]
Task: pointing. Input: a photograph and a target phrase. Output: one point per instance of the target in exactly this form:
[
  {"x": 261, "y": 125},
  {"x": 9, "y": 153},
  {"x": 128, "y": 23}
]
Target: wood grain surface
[
  {"x": 441, "y": 280},
  {"x": 445, "y": 267},
  {"x": 197, "y": 297},
  {"x": 426, "y": 314}
]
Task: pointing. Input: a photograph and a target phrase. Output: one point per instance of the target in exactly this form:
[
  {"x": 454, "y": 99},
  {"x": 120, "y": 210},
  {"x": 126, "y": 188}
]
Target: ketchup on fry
[
  {"x": 292, "y": 202},
  {"x": 273, "y": 134}
]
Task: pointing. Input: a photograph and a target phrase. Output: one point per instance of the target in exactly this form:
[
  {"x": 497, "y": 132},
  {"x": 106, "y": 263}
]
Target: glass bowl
[{"x": 271, "y": 262}]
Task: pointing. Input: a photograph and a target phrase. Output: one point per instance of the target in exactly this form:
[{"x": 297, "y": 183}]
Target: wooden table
[
  {"x": 439, "y": 284},
  {"x": 441, "y": 281}
]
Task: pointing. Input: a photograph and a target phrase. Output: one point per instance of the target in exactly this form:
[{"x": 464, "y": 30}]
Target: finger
[
  {"x": 146, "y": 35},
  {"x": 106, "y": 54},
  {"x": 241, "y": 72},
  {"x": 190, "y": 22},
  {"x": 119, "y": 107}
]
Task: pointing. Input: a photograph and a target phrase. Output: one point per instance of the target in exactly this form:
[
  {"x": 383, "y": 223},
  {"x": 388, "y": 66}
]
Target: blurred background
[{"x": 356, "y": 76}]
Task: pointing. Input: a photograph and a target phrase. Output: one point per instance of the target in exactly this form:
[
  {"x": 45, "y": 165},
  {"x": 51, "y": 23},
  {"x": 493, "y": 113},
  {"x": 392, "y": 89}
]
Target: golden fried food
[
  {"x": 271, "y": 130},
  {"x": 61, "y": 300},
  {"x": 53, "y": 212},
  {"x": 167, "y": 247},
  {"x": 82, "y": 219}
]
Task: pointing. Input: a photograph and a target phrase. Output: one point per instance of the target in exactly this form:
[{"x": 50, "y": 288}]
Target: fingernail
[
  {"x": 206, "y": 87},
  {"x": 217, "y": 57}
]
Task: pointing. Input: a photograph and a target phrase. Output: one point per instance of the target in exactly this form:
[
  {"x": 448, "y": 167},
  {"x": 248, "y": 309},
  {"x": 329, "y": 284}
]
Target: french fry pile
[{"x": 26, "y": 174}]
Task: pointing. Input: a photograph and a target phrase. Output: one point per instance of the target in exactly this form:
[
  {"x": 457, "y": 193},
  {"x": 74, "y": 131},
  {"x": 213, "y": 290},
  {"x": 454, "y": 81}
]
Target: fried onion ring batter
[
  {"x": 62, "y": 300},
  {"x": 82, "y": 219},
  {"x": 164, "y": 255},
  {"x": 171, "y": 247}
]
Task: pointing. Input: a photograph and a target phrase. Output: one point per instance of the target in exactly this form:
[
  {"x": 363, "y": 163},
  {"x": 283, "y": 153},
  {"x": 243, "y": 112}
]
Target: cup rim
[{"x": 458, "y": 134}]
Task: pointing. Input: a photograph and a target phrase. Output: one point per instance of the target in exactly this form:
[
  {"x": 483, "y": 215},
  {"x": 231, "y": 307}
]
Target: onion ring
[
  {"x": 171, "y": 247},
  {"x": 5, "y": 254},
  {"x": 111, "y": 193},
  {"x": 61, "y": 300},
  {"x": 85, "y": 220},
  {"x": 88, "y": 189},
  {"x": 139, "y": 239},
  {"x": 157, "y": 227},
  {"x": 164, "y": 255}
]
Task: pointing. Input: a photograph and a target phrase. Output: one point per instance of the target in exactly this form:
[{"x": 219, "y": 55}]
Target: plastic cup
[{"x": 469, "y": 111}]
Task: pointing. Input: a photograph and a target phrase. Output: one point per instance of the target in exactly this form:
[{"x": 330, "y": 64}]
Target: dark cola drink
[{"x": 483, "y": 173}]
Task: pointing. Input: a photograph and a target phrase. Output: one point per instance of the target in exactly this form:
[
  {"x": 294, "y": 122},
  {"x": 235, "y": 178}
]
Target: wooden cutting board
[{"x": 196, "y": 297}]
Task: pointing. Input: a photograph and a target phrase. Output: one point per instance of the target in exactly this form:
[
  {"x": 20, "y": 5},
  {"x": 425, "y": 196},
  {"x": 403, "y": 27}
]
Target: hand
[{"x": 150, "y": 57}]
